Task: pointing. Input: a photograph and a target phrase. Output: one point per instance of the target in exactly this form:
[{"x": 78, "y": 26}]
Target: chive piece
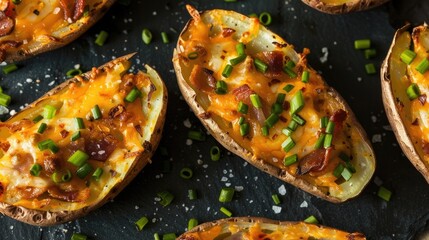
[
  {"x": 226, "y": 194},
  {"x": 244, "y": 129},
  {"x": 67, "y": 176},
  {"x": 338, "y": 170},
  {"x": 305, "y": 76},
  {"x": 240, "y": 47},
  {"x": 265, "y": 131},
  {"x": 288, "y": 87},
  {"x": 280, "y": 98},
  {"x": 277, "y": 108},
  {"x": 42, "y": 128},
  {"x": 344, "y": 157},
  {"x": 413, "y": 91},
  {"x": 141, "y": 223},
  {"x": 324, "y": 122},
  {"x": 133, "y": 95},
  {"x": 328, "y": 140},
  {"x": 296, "y": 103},
  {"x": 78, "y": 158},
  {"x": 272, "y": 120},
  {"x": 186, "y": 173},
  {"x": 156, "y": 236},
  {"x": 384, "y": 193},
  {"x": 237, "y": 60},
  {"x": 330, "y": 127},
  {"x": 193, "y": 55},
  {"x": 311, "y": 219},
  {"x": 408, "y": 56},
  {"x": 260, "y": 65},
  {"x": 265, "y": 18},
  {"x": 227, "y": 71},
  {"x": 192, "y": 194},
  {"x": 423, "y": 66},
  {"x": 56, "y": 178},
  {"x": 242, "y": 107},
  {"x": 292, "y": 125},
  {"x": 289, "y": 160},
  {"x": 320, "y": 141},
  {"x": 37, "y": 118},
  {"x": 79, "y": 123},
  {"x": 362, "y": 44},
  {"x": 370, "y": 53},
  {"x": 196, "y": 135},
  {"x": 49, "y": 111},
  {"x": 35, "y": 169},
  {"x": 241, "y": 120},
  {"x": 54, "y": 148},
  {"x": 96, "y": 112},
  {"x": 101, "y": 38},
  {"x": 166, "y": 198},
  {"x": 346, "y": 174},
  {"x": 290, "y": 64},
  {"x": 164, "y": 37},
  {"x": 75, "y": 136},
  {"x": 287, "y": 131},
  {"x": 288, "y": 144},
  {"x": 350, "y": 167},
  {"x": 1, "y": 89},
  {"x": 215, "y": 153},
  {"x": 16, "y": 2},
  {"x": 370, "y": 68},
  {"x": 221, "y": 87},
  {"x": 289, "y": 72},
  {"x": 169, "y": 236},
  {"x": 256, "y": 101},
  {"x": 226, "y": 211},
  {"x": 97, "y": 173},
  {"x": 84, "y": 170},
  {"x": 9, "y": 68},
  {"x": 78, "y": 236},
  {"x": 73, "y": 72},
  {"x": 192, "y": 223},
  {"x": 47, "y": 144},
  {"x": 298, "y": 119},
  {"x": 276, "y": 199},
  {"x": 146, "y": 36}
]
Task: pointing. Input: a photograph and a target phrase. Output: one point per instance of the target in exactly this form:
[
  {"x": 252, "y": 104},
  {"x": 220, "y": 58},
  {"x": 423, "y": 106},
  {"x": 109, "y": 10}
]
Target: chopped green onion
[
  {"x": 311, "y": 219},
  {"x": 78, "y": 158},
  {"x": 260, "y": 65},
  {"x": 67, "y": 176},
  {"x": 54, "y": 148},
  {"x": 242, "y": 107},
  {"x": 280, "y": 98},
  {"x": 79, "y": 123},
  {"x": 362, "y": 44},
  {"x": 277, "y": 108},
  {"x": 296, "y": 103},
  {"x": 265, "y": 18},
  {"x": 186, "y": 173},
  {"x": 193, "y": 55},
  {"x": 370, "y": 53},
  {"x": 196, "y": 135},
  {"x": 344, "y": 157},
  {"x": 101, "y": 38},
  {"x": 146, "y": 36},
  {"x": 169, "y": 236},
  {"x": 97, "y": 173},
  {"x": 289, "y": 160},
  {"x": 75, "y": 136},
  {"x": 1, "y": 89},
  {"x": 226, "y": 211},
  {"x": 290, "y": 64},
  {"x": 35, "y": 169},
  {"x": 330, "y": 127},
  {"x": 346, "y": 174},
  {"x": 289, "y": 72},
  {"x": 78, "y": 236},
  {"x": 244, "y": 129},
  {"x": 156, "y": 236},
  {"x": 413, "y": 91},
  {"x": 288, "y": 144},
  {"x": 227, "y": 71},
  {"x": 324, "y": 122},
  {"x": 215, "y": 153},
  {"x": 16, "y": 2},
  {"x": 56, "y": 178},
  {"x": 166, "y": 198},
  {"x": 338, "y": 170},
  {"x": 133, "y": 95},
  {"x": 241, "y": 120},
  {"x": 384, "y": 193},
  {"x": 298, "y": 119},
  {"x": 42, "y": 128},
  {"x": 265, "y": 131},
  {"x": 408, "y": 56},
  {"x": 276, "y": 199},
  {"x": 84, "y": 170},
  {"x": 226, "y": 194},
  {"x": 328, "y": 140},
  {"x": 320, "y": 141},
  {"x": 237, "y": 60},
  {"x": 288, "y": 87},
  {"x": 423, "y": 66},
  {"x": 96, "y": 112},
  {"x": 37, "y": 118},
  {"x": 292, "y": 125},
  {"x": 192, "y": 194},
  {"x": 192, "y": 223},
  {"x": 256, "y": 101},
  {"x": 164, "y": 37},
  {"x": 73, "y": 72},
  {"x": 9, "y": 68},
  {"x": 350, "y": 167},
  {"x": 272, "y": 120},
  {"x": 240, "y": 47},
  {"x": 287, "y": 131},
  {"x": 305, "y": 76},
  {"x": 221, "y": 87},
  {"x": 141, "y": 223},
  {"x": 370, "y": 68},
  {"x": 49, "y": 111},
  {"x": 48, "y": 144}
]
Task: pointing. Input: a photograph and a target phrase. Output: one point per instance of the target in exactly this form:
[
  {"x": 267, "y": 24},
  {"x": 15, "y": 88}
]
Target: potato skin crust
[{"x": 349, "y": 6}]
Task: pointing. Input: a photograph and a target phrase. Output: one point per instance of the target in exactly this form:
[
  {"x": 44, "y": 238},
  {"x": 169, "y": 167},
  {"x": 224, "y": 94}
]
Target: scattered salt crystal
[
  {"x": 51, "y": 83},
  {"x": 325, "y": 52},
  {"x": 304, "y": 204},
  {"x": 378, "y": 181},
  {"x": 76, "y": 66},
  {"x": 227, "y": 184},
  {"x": 359, "y": 79},
  {"x": 12, "y": 112},
  {"x": 224, "y": 179},
  {"x": 136, "y": 207},
  {"x": 387, "y": 128},
  {"x": 374, "y": 119},
  {"x": 188, "y": 142},
  {"x": 239, "y": 188},
  {"x": 3, "y": 110},
  {"x": 187, "y": 123},
  {"x": 199, "y": 161},
  {"x": 205, "y": 166},
  {"x": 376, "y": 138},
  {"x": 11, "y": 227},
  {"x": 277, "y": 209},
  {"x": 282, "y": 190}
]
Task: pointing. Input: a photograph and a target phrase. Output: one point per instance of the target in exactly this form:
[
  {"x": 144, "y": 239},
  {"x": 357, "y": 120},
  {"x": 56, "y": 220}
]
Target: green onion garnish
[
  {"x": 75, "y": 136},
  {"x": 370, "y": 68},
  {"x": 196, "y": 135},
  {"x": 96, "y": 112},
  {"x": 272, "y": 120},
  {"x": 244, "y": 129},
  {"x": 265, "y": 18},
  {"x": 49, "y": 111},
  {"x": 192, "y": 223},
  {"x": 240, "y": 47},
  {"x": 79, "y": 123},
  {"x": 289, "y": 160},
  {"x": 215, "y": 153},
  {"x": 338, "y": 170},
  {"x": 97, "y": 173},
  {"x": 344, "y": 157},
  {"x": 226, "y": 211},
  {"x": 324, "y": 122},
  {"x": 260, "y": 65},
  {"x": 141, "y": 223},
  {"x": 330, "y": 127},
  {"x": 54, "y": 148},
  {"x": 186, "y": 173},
  {"x": 56, "y": 178},
  {"x": 146, "y": 36},
  {"x": 78, "y": 158},
  {"x": 289, "y": 72},
  {"x": 296, "y": 103},
  {"x": 276, "y": 108},
  {"x": 35, "y": 169},
  {"x": 221, "y": 87},
  {"x": 276, "y": 199},
  {"x": 408, "y": 56},
  {"x": 256, "y": 101},
  {"x": 346, "y": 174},
  {"x": 48, "y": 144},
  {"x": 311, "y": 219},
  {"x": 370, "y": 53},
  {"x": 328, "y": 140},
  {"x": 166, "y": 198},
  {"x": 237, "y": 60},
  {"x": 241, "y": 120},
  {"x": 133, "y": 95},
  {"x": 37, "y": 118},
  {"x": 84, "y": 170},
  {"x": 193, "y": 55},
  {"x": 227, "y": 71},
  {"x": 384, "y": 193},
  {"x": 423, "y": 66},
  {"x": 305, "y": 76},
  {"x": 292, "y": 125},
  {"x": 298, "y": 119},
  {"x": 78, "y": 236},
  {"x": 101, "y": 38},
  {"x": 265, "y": 131},
  {"x": 156, "y": 236},
  {"x": 9, "y": 68},
  {"x": 164, "y": 37},
  {"x": 362, "y": 44},
  {"x": 288, "y": 144},
  {"x": 73, "y": 72},
  {"x": 226, "y": 194},
  {"x": 290, "y": 64},
  {"x": 280, "y": 98},
  {"x": 42, "y": 128},
  {"x": 320, "y": 141},
  {"x": 413, "y": 91},
  {"x": 67, "y": 176},
  {"x": 16, "y": 2},
  {"x": 169, "y": 236},
  {"x": 287, "y": 131},
  {"x": 242, "y": 107},
  {"x": 288, "y": 87},
  {"x": 192, "y": 194}
]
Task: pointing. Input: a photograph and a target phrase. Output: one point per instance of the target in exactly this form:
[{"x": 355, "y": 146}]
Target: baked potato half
[
  {"x": 80, "y": 144},
  {"x": 405, "y": 85},
  {"x": 260, "y": 100},
  {"x": 261, "y": 228},
  {"x": 29, "y": 27},
  {"x": 343, "y": 6}
]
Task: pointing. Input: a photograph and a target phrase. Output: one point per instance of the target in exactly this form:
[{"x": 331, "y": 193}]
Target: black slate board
[{"x": 401, "y": 218}]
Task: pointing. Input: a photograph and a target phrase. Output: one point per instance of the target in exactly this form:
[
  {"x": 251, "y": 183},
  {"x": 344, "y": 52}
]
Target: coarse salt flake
[
  {"x": 282, "y": 190},
  {"x": 277, "y": 209},
  {"x": 304, "y": 204}
]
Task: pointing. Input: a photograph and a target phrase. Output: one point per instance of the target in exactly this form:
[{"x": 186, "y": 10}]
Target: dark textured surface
[{"x": 405, "y": 215}]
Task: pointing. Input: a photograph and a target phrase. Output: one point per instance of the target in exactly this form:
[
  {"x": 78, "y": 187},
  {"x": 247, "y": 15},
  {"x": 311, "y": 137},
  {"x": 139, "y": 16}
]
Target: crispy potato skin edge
[{"x": 351, "y": 6}]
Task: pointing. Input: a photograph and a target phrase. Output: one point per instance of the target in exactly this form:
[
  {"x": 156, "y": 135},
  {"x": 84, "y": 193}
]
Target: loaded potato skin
[{"x": 343, "y": 6}]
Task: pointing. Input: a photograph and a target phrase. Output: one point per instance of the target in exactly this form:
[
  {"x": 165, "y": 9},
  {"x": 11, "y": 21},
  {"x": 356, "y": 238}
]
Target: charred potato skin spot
[{"x": 341, "y": 8}]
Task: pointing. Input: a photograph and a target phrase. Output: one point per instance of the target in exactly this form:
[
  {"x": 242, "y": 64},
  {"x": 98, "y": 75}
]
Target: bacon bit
[
  {"x": 274, "y": 136},
  {"x": 4, "y": 146},
  {"x": 64, "y": 133},
  {"x": 200, "y": 50},
  {"x": 202, "y": 79},
  {"x": 152, "y": 89},
  {"x": 283, "y": 119},
  {"x": 6, "y": 24},
  {"x": 415, "y": 122},
  {"x": 69, "y": 196},
  {"x": 319, "y": 90},
  {"x": 100, "y": 145},
  {"x": 280, "y": 45},
  {"x": 73, "y": 9},
  {"x": 116, "y": 111},
  {"x": 205, "y": 115},
  {"x": 79, "y": 9},
  {"x": 139, "y": 130},
  {"x": 422, "y": 99},
  {"x": 338, "y": 118},
  {"x": 113, "y": 172},
  {"x": 274, "y": 60},
  {"x": 315, "y": 161},
  {"x": 425, "y": 147},
  {"x": 227, "y": 32},
  {"x": 286, "y": 105},
  {"x": 273, "y": 81},
  {"x": 242, "y": 93},
  {"x": 50, "y": 164},
  {"x": 29, "y": 192}
]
